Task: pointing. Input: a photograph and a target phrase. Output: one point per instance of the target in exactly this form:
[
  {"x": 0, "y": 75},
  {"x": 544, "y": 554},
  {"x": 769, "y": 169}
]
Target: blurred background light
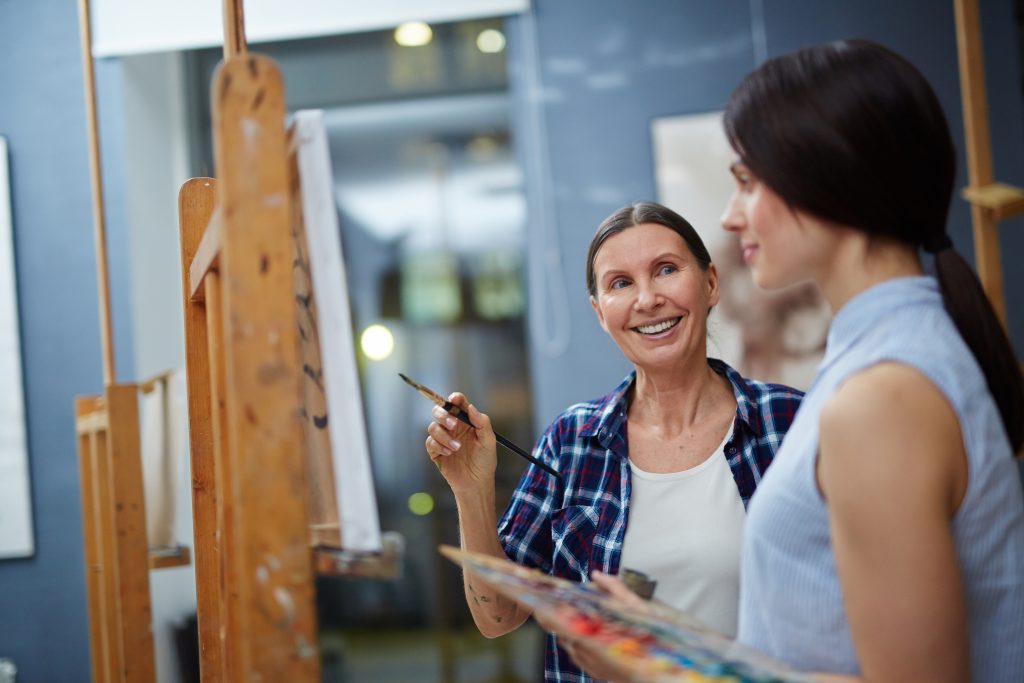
[
  {"x": 413, "y": 34},
  {"x": 490, "y": 41},
  {"x": 421, "y": 503},
  {"x": 377, "y": 342}
]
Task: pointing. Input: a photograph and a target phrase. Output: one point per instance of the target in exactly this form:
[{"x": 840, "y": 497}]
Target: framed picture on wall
[
  {"x": 769, "y": 336},
  {"x": 15, "y": 496}
]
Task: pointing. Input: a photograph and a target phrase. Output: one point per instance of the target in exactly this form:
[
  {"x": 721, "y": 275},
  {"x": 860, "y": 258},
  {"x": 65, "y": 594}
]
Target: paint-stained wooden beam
[{"x": 276, "y": 612}]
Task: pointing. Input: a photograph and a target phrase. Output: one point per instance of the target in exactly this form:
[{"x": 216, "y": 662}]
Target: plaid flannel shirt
[{"x": 568, "y": 531}]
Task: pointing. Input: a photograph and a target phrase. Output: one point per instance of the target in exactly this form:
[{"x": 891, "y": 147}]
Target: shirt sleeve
[{"x": 525, "y": 528}]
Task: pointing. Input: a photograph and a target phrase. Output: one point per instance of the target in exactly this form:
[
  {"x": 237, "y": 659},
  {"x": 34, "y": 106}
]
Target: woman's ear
[
  {"x": 714, "y": 294},
  {"x": 597, "y": 310}
]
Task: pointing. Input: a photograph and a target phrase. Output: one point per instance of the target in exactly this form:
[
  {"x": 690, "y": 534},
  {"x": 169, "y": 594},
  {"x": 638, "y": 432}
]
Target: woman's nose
[
  {"x": 648, "y": 297},
  {"x": 732, "y": 218}
]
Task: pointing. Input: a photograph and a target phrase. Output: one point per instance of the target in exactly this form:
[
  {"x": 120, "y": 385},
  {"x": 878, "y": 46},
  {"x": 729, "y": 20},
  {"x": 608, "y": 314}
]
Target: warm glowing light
[
  {"x": 490, "y": 41},
  {"x": 413, "y": 34},
  {"x": 421, "y": 503},
  {"x": 377, "y": 342}
]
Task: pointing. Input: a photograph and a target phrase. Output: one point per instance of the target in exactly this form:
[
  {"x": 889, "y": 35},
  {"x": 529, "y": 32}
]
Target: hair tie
[{"x": 933, "y": 244}]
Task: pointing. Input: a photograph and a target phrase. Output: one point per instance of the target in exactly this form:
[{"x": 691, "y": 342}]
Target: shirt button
[{"x": 731, "y": 450}]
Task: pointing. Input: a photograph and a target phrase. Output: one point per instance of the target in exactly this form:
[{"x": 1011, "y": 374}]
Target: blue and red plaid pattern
[{"x": 567, "y": 531}]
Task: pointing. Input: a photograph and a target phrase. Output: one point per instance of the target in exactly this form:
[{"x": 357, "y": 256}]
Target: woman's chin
[{"x": 767, "y": 280}]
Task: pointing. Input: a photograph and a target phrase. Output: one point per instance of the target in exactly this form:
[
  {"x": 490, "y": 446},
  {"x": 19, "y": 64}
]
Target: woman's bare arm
[
  {"x": 466, "y": 458},
  {"x": 893, "y": 471}
]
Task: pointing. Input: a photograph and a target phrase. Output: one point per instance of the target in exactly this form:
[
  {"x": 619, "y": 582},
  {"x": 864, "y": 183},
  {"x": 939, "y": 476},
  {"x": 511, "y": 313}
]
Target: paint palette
[{"x": 656, "y": 643}]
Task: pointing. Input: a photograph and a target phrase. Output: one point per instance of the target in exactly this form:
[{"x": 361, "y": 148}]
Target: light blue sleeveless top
[{"x": 791, "y": 603}]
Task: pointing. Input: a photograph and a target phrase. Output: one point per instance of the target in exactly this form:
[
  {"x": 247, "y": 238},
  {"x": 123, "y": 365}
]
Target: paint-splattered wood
[
  {"x": 129, "y": 534},
  {"x": 195, "y": 207},
  {"x": 276, "y": 615}
]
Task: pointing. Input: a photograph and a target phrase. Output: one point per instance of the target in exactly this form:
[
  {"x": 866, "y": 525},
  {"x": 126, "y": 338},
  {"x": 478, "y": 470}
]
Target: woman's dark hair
[
  {"x": 852, "y": 133},
  {"x": 639, "y": 213}
]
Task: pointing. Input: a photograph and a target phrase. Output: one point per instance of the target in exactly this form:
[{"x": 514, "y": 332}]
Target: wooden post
[
  {"x": 96, "y": 176},
  {"x": 195, "y": 208},
  {"x": 100, "y": 637},
  {"x": 234, "y": 29},
  {"x": 129, "y": 533},
  {"x": 979, "y": 154},
  {"x": 226, "y": 495}
]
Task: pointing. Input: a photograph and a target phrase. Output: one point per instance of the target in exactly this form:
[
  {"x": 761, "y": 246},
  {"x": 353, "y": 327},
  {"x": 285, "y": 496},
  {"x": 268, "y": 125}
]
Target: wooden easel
[
  {"x": 991, "y": 201},
  {"x": 265, "y": 517},
  {"x": 117, "y": 555}
]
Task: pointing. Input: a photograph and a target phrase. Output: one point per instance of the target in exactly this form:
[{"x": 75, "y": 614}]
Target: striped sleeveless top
[{"x": 791, "y": 603}]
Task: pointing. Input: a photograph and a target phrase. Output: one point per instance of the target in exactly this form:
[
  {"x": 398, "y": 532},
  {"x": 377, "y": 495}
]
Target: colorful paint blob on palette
[{"x": 655, "y": 644}]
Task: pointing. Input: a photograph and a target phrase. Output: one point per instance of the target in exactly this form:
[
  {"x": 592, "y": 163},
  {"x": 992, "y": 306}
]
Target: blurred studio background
[{"x": 476, "y": 145}]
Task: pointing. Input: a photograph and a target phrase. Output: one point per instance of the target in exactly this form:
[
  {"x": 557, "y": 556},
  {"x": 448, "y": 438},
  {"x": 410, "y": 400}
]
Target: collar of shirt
[{"x": 606, "y": 424}]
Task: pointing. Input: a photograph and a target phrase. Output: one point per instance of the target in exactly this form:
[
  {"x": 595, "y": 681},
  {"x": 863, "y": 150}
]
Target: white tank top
[{"x": 685, "y": 532}]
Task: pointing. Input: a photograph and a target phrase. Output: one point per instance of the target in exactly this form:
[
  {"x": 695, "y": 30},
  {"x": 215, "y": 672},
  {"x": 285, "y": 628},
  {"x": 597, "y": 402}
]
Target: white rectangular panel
[
  {"x": 15, "y": 496},
  {"x": 122, "y": 27}
]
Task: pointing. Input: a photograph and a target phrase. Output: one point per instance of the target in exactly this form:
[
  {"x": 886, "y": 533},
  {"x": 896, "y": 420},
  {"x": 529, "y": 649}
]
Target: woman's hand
[
  {"x": 614, "y": 586},
  {"x": 596, "y": 661},
  {"x": 465, "y": 456},
  {"x": 592, "y": 658}
]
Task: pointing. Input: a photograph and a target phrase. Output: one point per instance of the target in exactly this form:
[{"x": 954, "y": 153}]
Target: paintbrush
[{"x": 460, "y": 414}]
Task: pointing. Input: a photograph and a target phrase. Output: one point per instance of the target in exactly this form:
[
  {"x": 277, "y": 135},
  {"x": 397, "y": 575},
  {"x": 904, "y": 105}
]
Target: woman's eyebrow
[{"x": 614, "y": 272}]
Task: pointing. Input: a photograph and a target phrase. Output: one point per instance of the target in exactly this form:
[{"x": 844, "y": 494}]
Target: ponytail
[{"x": 976, "y": 320}]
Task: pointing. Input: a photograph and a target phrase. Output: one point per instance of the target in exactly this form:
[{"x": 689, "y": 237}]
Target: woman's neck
[
  {"x": 860, "y": 262},
  {"x": 674, "y": 399}
]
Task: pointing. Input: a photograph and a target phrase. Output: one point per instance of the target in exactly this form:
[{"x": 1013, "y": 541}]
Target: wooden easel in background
[
  {"x": 264, "y": 510},
  {"x": 117, "y": 554},
  {"x": 991, "y": 201}
]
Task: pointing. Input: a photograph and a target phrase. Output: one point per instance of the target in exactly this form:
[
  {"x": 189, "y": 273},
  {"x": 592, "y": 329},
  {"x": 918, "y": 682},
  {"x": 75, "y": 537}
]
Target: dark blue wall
[
  {"x": 43, "y": 623},
  {"x": 608, "y": 68}
]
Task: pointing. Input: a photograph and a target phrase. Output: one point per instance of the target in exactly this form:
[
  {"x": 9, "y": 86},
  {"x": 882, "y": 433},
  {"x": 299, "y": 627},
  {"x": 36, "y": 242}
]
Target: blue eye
[
  {"x": 618, "y": 283},
  {"x": 667, "y": 270}
]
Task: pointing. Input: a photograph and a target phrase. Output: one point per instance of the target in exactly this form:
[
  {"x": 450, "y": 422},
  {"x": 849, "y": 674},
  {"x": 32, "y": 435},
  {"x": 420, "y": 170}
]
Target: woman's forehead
[{"x": 640, "y": 243}]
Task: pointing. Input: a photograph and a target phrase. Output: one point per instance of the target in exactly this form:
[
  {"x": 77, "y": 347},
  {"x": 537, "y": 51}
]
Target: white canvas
[
  {"x": 15, "y": 497},
  {"x": 350, "y": 450}
]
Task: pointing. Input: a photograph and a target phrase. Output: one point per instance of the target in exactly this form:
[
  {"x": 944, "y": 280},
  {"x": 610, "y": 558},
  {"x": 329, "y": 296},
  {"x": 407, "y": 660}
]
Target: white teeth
[{"x": 658, "y": 327}]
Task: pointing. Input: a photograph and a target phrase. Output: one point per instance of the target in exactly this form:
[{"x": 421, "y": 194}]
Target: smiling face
[
  {"x": 781, "y": 244},
  {"x": 652, "y": 297}
]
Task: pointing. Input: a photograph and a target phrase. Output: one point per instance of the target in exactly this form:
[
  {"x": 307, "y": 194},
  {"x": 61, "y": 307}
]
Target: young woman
[
  {"x": 886, "y": 543},
  {"x": 676, "y": 450}
]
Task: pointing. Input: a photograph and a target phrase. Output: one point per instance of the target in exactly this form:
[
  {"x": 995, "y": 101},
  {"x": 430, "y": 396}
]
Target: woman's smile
[{"x": 657, "y": 329}]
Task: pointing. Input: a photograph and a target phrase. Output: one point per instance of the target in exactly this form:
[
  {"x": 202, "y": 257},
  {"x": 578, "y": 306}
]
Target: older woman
[{"x": 677, "y": 448}]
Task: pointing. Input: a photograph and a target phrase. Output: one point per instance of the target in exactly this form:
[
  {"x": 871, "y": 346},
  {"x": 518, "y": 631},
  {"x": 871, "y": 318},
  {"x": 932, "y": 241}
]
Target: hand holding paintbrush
[{"x": 456, "y": 421}]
